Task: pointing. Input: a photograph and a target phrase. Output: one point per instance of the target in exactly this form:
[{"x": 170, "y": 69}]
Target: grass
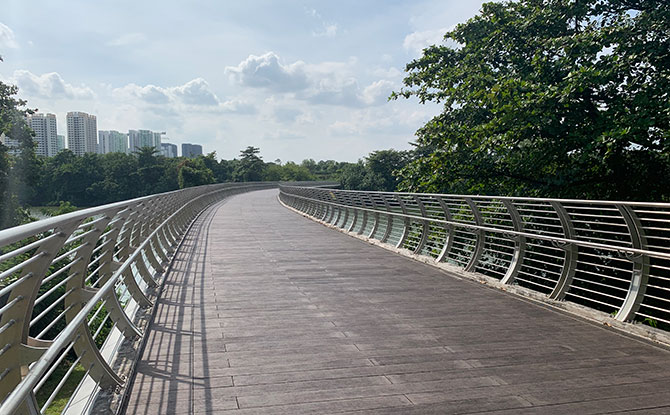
[{"x": 58, "y": 404}]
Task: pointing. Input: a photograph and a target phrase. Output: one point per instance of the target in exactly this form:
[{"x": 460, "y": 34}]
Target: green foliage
[
  {"x": 377, "y": 172},
  {"x": 194, "y": 172},
  {"x": 548, "y": 98},
  {"x": 63, "y": 396},
  {"x": 384, "y": 165},
  {"x": 251, "y": 166},
  {"x": 61, "y": 209},
  {"x": 292, "y": 172},
  {"x": 324, "y": 169},
  {"x": 17, "y": 174}
]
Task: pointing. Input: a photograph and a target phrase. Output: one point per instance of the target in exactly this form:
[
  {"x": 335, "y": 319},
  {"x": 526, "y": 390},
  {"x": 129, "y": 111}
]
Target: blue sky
[{"x": 299, "y": 79}]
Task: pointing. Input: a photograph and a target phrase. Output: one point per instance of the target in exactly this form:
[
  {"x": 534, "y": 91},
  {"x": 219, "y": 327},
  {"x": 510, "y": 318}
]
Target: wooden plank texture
[{"x": 266, "y": 311}]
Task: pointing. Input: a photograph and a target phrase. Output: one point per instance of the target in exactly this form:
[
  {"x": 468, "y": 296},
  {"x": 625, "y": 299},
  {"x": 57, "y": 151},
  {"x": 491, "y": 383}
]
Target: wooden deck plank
[{"x": 265, "y": 311}]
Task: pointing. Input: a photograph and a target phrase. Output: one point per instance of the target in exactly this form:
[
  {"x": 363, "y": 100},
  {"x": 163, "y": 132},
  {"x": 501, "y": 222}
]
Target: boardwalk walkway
[{"x": 268, "y": 312}]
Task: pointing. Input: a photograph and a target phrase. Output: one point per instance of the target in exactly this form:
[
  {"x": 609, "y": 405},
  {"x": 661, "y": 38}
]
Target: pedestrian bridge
[{"x": 238, "y": 298}]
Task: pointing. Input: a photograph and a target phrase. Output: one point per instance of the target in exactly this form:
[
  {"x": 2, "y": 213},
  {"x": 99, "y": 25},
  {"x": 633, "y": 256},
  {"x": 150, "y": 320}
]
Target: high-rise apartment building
[
  {"x": 60, "y": 143},
  {"x": 143, "y": 138},
  {"x": 112, "y": 142},
  {"x": 169, "y": 150},
  {"x": 46, "y": 136},
  {"x": 82, "y": 133},
  {"x": 191, "y": 150},
  {"x": 157, "y": 140},
  {"x": 12, "y": 144}
]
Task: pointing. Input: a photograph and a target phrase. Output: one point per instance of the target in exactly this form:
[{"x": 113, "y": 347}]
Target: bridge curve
[{"x": 265, "y": 311}]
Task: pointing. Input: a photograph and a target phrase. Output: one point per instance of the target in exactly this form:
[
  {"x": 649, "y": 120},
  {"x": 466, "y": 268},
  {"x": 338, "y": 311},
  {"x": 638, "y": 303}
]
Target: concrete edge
[{"x": 637, "y": 330}]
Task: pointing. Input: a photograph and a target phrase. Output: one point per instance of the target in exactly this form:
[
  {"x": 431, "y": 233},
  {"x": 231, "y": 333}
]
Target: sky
[{"x": 299, "y": 79}]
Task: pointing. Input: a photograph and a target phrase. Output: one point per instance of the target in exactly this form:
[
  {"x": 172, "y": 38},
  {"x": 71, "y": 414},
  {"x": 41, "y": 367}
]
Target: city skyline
[
  {"x": 297, "y": 79},
  {"x": 82, "y": 128}
]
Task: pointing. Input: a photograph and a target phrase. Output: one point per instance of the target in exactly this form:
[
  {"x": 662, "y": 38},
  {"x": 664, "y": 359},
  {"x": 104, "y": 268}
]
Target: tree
[
  {"x": 150, "y": 169},
  {"x": 292, "y": 172},
  {"x": 193, "y": 172},
  {"x": 273, "y": 172},
  {"x": 251, "y": 165},
  {"x": 386, "y": 164},
  {"x": 561, "y": 98},
  {"x": 17, "y": 173}
]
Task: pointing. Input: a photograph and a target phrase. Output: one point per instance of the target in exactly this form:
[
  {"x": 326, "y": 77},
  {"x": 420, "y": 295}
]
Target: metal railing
[
  {"x": 611, "y": 256},
  {"x": 71, "y": 287}
]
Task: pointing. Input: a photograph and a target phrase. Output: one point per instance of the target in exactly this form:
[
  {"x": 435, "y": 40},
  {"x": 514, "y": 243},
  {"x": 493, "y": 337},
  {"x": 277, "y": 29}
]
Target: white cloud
[
  {"x": 267, "y": 71},
  {"x": 380, "y": 121},
  {"x": 329, "y": 30},
  {"x": 149, "y": 93},
  {"x": 283, "y": 135},
  {"x": 236, "y": 106},
  {"x": 347, "y": 92},
  {"x": 325, "y": 83},
  {"x": 344, "y": 128},
  {"x": 196, "y": 92},
  {"x": 193, "y": 96},
  {"x": 313, "y": 13},
  {"x": 333, "y": 91},
  {"x": 377, "y": 93},
  {"x": 7, "y": 38},
  {"x": 127, "y": 39},
  {"x": 285, "y": 114},
  {"x": 390, "y": 73},
  {"x": 417, "y": 41},
  {"x": 49, "y": 85}
]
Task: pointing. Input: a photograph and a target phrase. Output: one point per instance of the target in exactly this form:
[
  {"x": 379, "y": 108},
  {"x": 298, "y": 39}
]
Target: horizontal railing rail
[
  {"x": 71, "y": 288},
  {"x": 609, "y": 255}
]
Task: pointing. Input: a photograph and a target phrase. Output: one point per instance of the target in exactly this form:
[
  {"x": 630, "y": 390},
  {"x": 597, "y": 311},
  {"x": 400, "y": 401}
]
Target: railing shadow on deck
[{"x": 77, "y": 293}]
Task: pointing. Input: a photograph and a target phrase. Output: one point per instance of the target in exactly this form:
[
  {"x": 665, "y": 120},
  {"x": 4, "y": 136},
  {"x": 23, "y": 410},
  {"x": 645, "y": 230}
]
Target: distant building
[
  {"x": 143, "y": 138},
  {"x": 11, "y": 144},
  {"x": 157, "y": 140},
  {"x": 112, "y": 142},
  {"x": 82, "y": 133},
  {"x": 46, "y": 136},
  {"x": 60, "y": 143},
  {"x": 169, "y": 150},
  {"x": 191, "y": 150}
]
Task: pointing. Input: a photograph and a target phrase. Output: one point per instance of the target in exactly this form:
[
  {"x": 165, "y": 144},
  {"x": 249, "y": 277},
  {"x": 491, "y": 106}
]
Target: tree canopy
[
  {"x": 562, "y": 98},
  {"x": 18, "y": 174}
]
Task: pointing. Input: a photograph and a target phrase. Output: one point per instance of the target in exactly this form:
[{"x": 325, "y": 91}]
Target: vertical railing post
[
  {"x": 519, "y": 243},
  {"x": 354, "y": 196},
  {"x": 425, "y": 228},
  {"x": 640, "y": 272},
  {"x": 364, "y": 221},
  {"x": 479, "y": 234},
  {"x": 389, "y": 220},
  {"x": 571, "y": 253},
  {"x": 448, "y": 229},
  {"x": 20, "y": 348},
  {"x": 406, "y": 223},
  {"x": 85, "y": 346}
]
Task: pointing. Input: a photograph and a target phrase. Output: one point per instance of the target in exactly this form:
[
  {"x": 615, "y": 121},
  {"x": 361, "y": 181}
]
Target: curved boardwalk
[{"x": 268, "y": 312}]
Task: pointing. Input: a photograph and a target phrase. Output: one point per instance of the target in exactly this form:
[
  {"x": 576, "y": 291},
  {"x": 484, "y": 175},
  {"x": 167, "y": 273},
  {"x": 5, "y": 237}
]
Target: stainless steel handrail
[
  {"x": 91, "y": 271},
  {"x": 609, "y": 255}
]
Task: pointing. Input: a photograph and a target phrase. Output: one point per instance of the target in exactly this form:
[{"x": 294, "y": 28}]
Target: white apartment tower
[
  {"x": 112, "y": 142},
  {"x": 60, "y": 143},
  {"x": 82, "y": 133},
  {"x": 46, "y": 136},
  {"x": 143, "y": 138}
]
